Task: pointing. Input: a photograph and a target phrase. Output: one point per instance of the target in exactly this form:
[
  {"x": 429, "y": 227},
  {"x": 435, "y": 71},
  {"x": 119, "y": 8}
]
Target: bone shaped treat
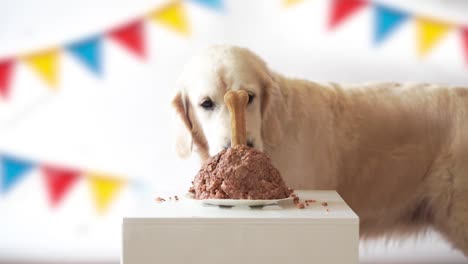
[{"x": 236, "y": 101}]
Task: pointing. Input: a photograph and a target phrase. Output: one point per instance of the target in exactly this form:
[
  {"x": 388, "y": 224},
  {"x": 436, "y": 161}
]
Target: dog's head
[{"x": 204, "y": 120}]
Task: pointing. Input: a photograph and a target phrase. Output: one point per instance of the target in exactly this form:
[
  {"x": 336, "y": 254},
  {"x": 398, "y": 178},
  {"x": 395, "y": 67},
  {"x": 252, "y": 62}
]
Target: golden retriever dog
[{"x": 396, "y": 153}]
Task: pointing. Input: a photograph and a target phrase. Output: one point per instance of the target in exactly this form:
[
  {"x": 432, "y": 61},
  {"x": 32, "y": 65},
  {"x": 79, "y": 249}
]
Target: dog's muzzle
[{"x": 249, "y": 144}]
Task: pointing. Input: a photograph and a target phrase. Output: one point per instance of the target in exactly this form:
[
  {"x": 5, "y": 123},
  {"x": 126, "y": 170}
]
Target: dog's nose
[
  {"x": 228, "y": 145},
  {"x": 249, "y": 144}
]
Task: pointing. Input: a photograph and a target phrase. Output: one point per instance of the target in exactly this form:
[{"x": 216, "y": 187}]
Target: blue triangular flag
[
  {"x": 386, "y": 20},
  {"x": 12, "y": 169},
  {"x": 88, "y": 51},
  {"x": 214, "y": 4}
]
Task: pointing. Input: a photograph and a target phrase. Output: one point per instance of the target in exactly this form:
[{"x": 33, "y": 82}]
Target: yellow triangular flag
[
  {"x": 291, "y": 2},
  {"x": 104, "y": 188},
  {"x": 45, "y": 64},
  {"x": 429, "y": 33},
  {"x": 172, "y": 15}
]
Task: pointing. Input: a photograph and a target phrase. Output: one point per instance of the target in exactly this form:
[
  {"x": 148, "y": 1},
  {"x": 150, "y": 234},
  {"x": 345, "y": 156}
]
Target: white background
[{"x": 121, "y": 123}]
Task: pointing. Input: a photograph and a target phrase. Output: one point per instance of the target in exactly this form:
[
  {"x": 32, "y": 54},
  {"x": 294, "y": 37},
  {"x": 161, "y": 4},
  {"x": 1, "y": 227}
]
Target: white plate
[{"x": 237, "y": 202}]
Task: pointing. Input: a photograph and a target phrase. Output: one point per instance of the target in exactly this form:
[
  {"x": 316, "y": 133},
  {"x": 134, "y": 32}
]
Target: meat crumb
[
  {"x": 176, "y": 198},
  {"x": 296, "y": 200},
  {"x": 191, "y": 189},
  {"x": 325, "y": 204},
  {"x": 306, "y": 203},
  {"x": 311, "y": 201},
  {"x": 160, "y": 199},
  {"x": 300, "y": 205}
]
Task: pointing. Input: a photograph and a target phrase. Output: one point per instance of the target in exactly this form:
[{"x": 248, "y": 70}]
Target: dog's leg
[
  {"x": 452, "y": 216},
  {"x": 456, "y": 227}
]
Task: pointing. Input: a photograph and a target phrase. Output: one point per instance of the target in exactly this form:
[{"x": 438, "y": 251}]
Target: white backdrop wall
[{"x": 121, "y": 122}]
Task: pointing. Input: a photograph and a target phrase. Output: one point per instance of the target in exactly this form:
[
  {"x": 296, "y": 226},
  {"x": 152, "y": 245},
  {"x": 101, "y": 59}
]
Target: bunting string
[
  {"x": 387, "y": 19},
  {"x": 131, "y": 37},
  {"x": 59, "y": 180},
  {"x": 45, "y": 63}
]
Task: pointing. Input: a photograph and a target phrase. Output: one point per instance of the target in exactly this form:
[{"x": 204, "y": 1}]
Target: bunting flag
[
  {"x": 45, "y": 64},
  {"x": 342, "y": 9},
  {"x": 465, "y": 42},
  {"x": 12, "y": 171},
  {"x": 291, "y": 2},
  {"x": 217, "y": 4},
  {"x": 173, "y": 16},
  {"x": 131, "y": 37},
  {"x": 386, "y": 21},
  {"x": 58, "y": 181},
  {"x": 88, "y": 51},
  {"x": 104, "y": 188},
  {"x": 6, "y": 68},
  {"x": 429, "y": 34}
]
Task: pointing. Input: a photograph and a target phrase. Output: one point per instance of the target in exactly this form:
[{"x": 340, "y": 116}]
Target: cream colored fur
[{"x": 397, "y": 153}]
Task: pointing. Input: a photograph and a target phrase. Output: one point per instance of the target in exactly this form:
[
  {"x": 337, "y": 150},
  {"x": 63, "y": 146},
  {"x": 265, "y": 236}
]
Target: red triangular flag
[
  {"x": 131, "y": 36},
  {"x": 341, "y": 9},
  {"x": 465, "y": 42},
  {"x": 58, "y": 181},
  {"x": 6, "y": 68}
]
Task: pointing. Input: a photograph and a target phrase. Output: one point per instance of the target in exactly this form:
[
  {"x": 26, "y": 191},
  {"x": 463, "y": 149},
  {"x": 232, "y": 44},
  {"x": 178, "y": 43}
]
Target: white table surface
[{"x": 338, "y": 212}]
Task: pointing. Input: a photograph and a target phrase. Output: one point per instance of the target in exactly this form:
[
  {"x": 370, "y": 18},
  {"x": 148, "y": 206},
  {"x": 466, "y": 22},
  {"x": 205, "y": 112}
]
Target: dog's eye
[
  {"x": 251, "y": 97},
  {"x": 207, "y": 104}
]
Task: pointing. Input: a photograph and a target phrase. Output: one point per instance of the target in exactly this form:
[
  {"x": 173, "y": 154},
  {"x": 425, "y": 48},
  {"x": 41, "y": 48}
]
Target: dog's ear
[
  {"x": 274, "y": 111},
  {"x": 189, "y": 135},
  {"x": 184, "y": 140}
]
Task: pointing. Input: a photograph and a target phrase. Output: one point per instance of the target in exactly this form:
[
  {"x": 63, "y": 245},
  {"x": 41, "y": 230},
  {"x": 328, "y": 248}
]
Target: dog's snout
[
  {"x": 249, "y": 143},
  {"x": 227, "y": 145}
]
